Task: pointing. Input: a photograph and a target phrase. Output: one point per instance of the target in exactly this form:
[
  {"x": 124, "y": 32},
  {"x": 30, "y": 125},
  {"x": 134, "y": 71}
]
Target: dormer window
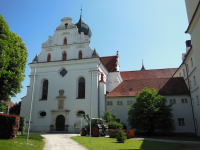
[
  {"x": 65, "y": 41},
  {"x": 80, "y": 55},
  {"x": 66, "y": 24}
]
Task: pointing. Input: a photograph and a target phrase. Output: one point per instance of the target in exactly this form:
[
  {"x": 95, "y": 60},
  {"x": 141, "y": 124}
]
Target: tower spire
[{"x": 142, "y": 66}]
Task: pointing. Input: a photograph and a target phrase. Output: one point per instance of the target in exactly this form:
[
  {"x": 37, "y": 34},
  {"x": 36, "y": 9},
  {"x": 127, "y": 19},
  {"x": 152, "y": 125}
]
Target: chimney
[{"x": 188, "y": 45}]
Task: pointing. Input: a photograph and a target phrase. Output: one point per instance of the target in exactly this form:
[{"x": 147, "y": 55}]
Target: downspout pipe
[
  {"x": 31, "y": 105},
  {"x": 190, "y": 99}
]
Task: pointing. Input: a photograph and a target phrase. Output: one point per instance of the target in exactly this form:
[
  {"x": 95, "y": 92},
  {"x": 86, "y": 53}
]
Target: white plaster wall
[
  {"x": 180, "y": 110},
  {"x": 50, "y": 71},
  {"x": 113, "y": 80}
]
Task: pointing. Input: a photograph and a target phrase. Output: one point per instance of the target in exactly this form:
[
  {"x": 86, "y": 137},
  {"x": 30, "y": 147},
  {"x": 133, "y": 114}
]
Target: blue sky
[{"x": 152, "y": 30}]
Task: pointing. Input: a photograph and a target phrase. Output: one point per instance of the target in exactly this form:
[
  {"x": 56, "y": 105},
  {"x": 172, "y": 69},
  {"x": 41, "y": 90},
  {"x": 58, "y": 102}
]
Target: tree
[
  {"x": 15, "y": 110},
  {"x": 2, "y": 107},
  {"x": 13, "y": 58},
  {"x": 149, "y": 112},
  {"x": 109, "y": 117}
]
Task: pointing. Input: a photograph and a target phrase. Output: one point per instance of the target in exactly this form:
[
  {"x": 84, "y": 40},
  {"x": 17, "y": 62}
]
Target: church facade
[{"x": 68, "y": 78}]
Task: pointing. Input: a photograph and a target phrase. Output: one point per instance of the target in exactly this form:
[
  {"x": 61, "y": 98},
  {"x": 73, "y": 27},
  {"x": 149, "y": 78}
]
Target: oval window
[{"x": 42, "y": 114}]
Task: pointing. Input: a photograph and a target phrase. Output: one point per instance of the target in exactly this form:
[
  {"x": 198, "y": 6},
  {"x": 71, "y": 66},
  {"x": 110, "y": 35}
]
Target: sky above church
[{"x": 152, "y": 30}]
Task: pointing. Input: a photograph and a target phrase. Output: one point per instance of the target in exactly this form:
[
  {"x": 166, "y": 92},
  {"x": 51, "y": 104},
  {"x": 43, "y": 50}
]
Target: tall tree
[
  {"x": 149, "y": 112},
  {"x": 2, "y": 107},
  {"x": 15, "y": 110},
  {"x": 13, "y": 58}
]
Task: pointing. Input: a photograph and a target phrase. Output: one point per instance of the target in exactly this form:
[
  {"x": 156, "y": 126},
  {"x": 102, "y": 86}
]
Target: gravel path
[{"x": 61, "y": 142}]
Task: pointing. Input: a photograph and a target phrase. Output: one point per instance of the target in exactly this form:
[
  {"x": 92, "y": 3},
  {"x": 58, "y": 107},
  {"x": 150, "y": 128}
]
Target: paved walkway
[{"x": 60, "y": 142}]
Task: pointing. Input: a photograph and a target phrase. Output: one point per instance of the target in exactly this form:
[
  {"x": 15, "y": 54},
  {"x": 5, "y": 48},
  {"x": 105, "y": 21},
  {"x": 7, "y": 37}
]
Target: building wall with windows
[
  {"x": 182, "y": 111},
  {"x": 191, "y": 79}
]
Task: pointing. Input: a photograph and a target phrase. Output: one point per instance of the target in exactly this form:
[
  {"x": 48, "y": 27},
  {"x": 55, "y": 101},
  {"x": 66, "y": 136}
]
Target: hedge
[
  {"x": 22, "y": 124},
  {"x": 9, "y": 126}
]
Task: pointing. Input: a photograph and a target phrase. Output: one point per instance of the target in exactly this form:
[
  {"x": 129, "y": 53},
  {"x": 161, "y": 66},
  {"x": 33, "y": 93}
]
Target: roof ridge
[{"x": 148, "y": 70}]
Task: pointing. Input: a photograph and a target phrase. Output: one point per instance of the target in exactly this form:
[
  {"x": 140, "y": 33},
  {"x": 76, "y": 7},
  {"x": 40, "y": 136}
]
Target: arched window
[
  {"x": 45, "y": 89},
  {"x": 80, "y": 55},
  {"x": 64, "y": 56},
  {"x": 49, "y": 58},
  {"x": 66, "y": 25},
  {"x": 81, "y": 88},
  {"x": 65, "y": 41}
]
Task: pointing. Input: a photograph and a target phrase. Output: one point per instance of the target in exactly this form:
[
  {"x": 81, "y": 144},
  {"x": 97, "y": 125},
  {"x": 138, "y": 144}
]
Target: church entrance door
[{"x": 60, "y": 123}]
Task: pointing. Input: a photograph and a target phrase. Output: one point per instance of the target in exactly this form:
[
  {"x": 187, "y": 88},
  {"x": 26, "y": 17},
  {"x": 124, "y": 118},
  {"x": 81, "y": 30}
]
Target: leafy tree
[
  {"x": 149, "y": 112},
  {"x": 16, "y": 109},
  {"x": 109, "y": 117},
  {"x": 2, "y": 107},
  {"x": 13, "y": 58},
  {"x": 121, "y": 137}
]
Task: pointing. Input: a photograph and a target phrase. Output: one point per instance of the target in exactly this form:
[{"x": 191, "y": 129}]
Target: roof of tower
[{"x": 82, "y": 27}]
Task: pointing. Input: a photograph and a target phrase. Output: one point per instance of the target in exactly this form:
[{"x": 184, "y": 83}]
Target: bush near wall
[
  {"x": 9, "y": 126},
  {"x": 22, "y": 124}
]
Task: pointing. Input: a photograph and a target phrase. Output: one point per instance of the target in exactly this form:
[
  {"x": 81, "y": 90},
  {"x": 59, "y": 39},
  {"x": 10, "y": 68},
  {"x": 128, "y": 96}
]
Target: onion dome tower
[{"x": 82, "y": 27}]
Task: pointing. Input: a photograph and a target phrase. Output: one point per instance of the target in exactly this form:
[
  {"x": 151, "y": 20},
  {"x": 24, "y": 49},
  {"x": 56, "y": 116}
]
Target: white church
[{"x": 68, "y": 76}]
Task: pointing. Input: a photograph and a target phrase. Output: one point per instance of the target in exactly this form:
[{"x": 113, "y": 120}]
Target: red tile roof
[
  {"x": 145, "y": 74},
  {"x": 164, "y": 86},
  {"x": 10, "y": 103},
  {"x": 109, "y": 62}
]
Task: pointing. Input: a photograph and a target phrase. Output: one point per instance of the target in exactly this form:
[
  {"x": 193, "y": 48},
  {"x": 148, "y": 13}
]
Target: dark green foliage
[
  {"x": 15, "y": 110},
  {"x": 2, "y": 107},
  {"x": 121, "y": 137},
  {"x": 9, "y": 126},
  {"x": 149, "y": 112},
  {"x": 124, "y": 126},
  {"x": 108, "y": 116},
  {"x": 13, "y": 58},
  {"x": 114, "y": 125},
  {"x": 22, "y": 124}
]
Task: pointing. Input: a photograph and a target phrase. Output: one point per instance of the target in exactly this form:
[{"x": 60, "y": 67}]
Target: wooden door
[{"x": 60, "y": 123}]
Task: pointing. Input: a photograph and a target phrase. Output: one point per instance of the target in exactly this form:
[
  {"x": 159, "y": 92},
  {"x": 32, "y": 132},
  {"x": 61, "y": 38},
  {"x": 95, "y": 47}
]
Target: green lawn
[
  {"x": 19, "y": 143},
  {"x": 99, "y": 143},
  {"x": 180, "y": 138}
]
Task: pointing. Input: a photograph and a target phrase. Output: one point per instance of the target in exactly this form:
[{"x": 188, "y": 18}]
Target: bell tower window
[
  {"x": 66, "y": 24},
  {"x": 64, "y": 56},
  {"x": 65, "y": 41},
  {"x": 80, "y": 55},
  {"x": 49, "y": 58}
]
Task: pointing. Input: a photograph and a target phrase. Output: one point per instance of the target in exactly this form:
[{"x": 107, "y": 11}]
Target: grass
[
  {"x": 98, "y": 143},
  {"x": 19, "y": 143},
  {"x": 180, "y": 138}
]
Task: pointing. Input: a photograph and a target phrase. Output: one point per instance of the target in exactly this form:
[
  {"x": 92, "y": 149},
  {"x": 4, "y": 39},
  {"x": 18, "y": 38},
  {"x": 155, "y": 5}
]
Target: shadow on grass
[{"x": 31, "y": 136}]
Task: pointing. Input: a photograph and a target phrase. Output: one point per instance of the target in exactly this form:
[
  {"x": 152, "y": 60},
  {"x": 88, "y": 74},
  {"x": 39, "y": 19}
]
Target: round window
[{"x": 43, "y": 113}]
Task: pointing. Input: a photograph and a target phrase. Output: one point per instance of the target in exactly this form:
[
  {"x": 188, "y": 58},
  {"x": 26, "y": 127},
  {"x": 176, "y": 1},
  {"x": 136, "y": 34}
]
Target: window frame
[
  {"x": 181, "y": 122},
  {"x": 84, "y": 89},
  {"x": 43, "y": 95},
  {"x": 191, "y": 62},
  {"x": 197, "y": 97},
  {"x": 194, "y": 80}
]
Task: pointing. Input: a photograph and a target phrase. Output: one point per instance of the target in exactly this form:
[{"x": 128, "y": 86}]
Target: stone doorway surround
[{"x": 60, "y": 111}]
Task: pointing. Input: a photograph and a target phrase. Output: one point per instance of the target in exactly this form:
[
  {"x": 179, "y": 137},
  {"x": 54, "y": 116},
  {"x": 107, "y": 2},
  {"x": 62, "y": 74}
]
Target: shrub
[
  {"x": 9, "y": 126},
  {"x": 22, "y": 124},
  {"x": 114, "y": 125},
  {"x": 121, "y": 136}
]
